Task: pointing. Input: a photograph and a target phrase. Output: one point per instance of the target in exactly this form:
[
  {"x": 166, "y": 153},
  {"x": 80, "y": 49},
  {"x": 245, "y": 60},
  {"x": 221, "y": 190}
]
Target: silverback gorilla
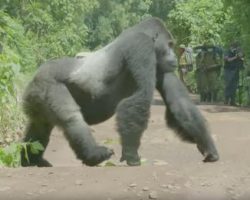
[{"x": 119, "y": 78}]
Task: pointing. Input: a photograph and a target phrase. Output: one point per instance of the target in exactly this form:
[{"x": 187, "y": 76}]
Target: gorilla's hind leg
[
  {"x": 82, "y": 142},
  {"x": 36, "y": 131},
  {"x": 68, "y": 116}
]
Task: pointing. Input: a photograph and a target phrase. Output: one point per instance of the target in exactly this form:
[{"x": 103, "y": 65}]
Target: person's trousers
[{"x": 231, "y": 84}]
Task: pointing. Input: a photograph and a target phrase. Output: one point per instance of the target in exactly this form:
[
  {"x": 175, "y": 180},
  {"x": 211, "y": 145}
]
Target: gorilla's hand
[
  {"x": 98, "y": 155},
  {"x": 211, "y": 156}
]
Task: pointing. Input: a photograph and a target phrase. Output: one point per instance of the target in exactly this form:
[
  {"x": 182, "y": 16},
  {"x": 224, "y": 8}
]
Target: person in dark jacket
[{"x": 233, "y": 64}]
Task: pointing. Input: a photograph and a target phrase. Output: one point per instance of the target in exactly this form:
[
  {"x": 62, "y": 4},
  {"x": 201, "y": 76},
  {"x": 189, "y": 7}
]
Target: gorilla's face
[{"x": 166, "y": 57}]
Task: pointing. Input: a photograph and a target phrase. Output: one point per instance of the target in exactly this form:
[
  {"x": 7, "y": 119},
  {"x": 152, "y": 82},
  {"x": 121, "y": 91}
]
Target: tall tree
[
  {"x": 239, "y": 27},
  {"x": 161, "y": 8},
  {"x": 111, "y": 17},
  {"x": 196, "y": 21}
]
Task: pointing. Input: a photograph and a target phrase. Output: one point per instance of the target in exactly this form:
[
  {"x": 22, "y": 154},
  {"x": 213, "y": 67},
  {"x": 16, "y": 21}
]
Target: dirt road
[{"x": 171, "y": 169}]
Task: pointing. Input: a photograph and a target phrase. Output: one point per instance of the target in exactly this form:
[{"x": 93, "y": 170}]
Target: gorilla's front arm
[{"x": 184, "y": 117}]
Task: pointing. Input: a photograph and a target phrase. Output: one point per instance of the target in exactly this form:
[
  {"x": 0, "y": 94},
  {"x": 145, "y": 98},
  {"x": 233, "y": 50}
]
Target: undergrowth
[{"x": 10, "y": 156}]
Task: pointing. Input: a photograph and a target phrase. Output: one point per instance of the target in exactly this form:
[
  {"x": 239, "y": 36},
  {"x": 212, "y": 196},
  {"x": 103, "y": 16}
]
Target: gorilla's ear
[{"x": 155, "y": 37}]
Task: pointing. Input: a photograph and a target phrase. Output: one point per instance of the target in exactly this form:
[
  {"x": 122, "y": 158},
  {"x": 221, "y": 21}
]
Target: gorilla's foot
[
  {"x": 98, "y": 155},
  {"x": 132, "y": 158},
  {"x": 210, "y": 156},
  {"x": 41, "y": 162},
  {"x": 131, "y": 161}
]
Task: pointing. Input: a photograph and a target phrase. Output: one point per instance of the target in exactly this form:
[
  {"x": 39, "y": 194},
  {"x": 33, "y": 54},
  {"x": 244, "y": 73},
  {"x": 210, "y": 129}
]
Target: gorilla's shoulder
[
  {"x": 57, "y": 61},
  {"x": 150, "y": 23},
  {"x": 132, "y": 36},
  {"x": 59, "y": 68},
  {"x": 150, "y": 26}
]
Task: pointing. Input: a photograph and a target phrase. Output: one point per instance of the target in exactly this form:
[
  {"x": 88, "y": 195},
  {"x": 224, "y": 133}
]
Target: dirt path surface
[{"x": 171, "y": 169}]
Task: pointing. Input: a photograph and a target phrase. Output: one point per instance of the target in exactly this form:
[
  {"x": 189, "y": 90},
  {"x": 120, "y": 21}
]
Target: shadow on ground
[{"x": 208, "y": 107}]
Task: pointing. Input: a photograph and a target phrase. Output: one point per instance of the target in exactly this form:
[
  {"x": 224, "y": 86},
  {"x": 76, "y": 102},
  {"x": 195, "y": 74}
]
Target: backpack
[{"x": 189, "y": 58}]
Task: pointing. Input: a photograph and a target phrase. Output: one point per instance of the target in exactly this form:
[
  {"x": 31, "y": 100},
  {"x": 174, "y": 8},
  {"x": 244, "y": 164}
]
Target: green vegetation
[
  {"x": 10, "y": 156},
  {"x": 34, "y": 31}
]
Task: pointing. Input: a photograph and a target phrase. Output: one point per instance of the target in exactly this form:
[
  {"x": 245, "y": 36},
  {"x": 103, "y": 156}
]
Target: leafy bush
[
  {"x": 11, "y": 59},
  {"x": 197, "y": 21},
  {"x": 10, "y": 156}
]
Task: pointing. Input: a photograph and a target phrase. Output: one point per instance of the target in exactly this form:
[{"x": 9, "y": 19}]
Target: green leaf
[
  {"x": 36, "y": 147},
  {"x": 144, "y": 161},
  {"x": 110, "y": 141},
  {"x": 109, "y": 164},
  {"x": 26, "y": 153}
]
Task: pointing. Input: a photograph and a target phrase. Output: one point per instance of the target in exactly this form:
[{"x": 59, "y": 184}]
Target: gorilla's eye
[
  {"x": 171, "y": 44},
  {"x": 164, "y": 52}
]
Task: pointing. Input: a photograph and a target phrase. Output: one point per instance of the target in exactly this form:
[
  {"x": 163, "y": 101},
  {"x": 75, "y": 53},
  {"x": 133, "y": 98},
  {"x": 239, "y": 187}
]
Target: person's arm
[{"x": 229, "y": 59}]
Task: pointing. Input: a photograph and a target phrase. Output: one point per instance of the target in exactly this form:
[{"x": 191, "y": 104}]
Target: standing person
[
  {"x": 185, "y": 62},
  {"x": 208, "y": 67},
  {"x": 233, "y": 64}
]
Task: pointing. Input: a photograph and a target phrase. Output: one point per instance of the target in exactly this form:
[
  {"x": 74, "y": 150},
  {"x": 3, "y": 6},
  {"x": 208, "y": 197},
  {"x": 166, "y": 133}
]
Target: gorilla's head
[
  {"x": 165, "y": 55},
  {"x": 164, "y": 43}
]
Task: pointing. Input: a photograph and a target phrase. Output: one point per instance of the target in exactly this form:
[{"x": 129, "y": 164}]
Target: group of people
[{"x": 209, "y": 61}]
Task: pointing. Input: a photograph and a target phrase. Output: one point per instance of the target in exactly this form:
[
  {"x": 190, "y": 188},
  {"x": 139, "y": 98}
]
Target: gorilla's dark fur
[{"x": 121, "y": 77}]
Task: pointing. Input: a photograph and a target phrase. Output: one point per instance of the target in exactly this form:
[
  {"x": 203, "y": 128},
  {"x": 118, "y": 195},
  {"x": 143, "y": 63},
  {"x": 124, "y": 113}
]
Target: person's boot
[
  {"x": 232, "y": 103},
  {"x": 226, "y": 101},
  {"x": 202, "y": 97},
  {"x": 214, "y": 97},
  {"x": 209, "y": 97}
]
